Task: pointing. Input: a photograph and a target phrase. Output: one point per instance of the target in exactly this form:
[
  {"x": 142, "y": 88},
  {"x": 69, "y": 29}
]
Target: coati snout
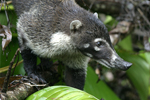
[
  {"x": 60, "y": 29},
  {"x": 101, "y": 51}
]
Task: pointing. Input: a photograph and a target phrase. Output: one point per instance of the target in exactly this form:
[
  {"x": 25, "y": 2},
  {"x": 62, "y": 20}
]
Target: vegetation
[{"x": 103, "y": 83}]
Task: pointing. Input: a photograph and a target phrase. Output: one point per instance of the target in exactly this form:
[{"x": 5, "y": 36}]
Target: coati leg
[
  {"x": 75, "y": 77},
  {"x": 45, "y": 64},
  {"x": 30, "y": 66}
]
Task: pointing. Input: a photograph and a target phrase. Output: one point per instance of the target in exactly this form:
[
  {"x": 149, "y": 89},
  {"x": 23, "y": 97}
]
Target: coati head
[{"x": 93, "y": 41}]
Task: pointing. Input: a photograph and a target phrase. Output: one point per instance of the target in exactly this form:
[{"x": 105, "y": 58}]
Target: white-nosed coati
[{"x": 60, "y": 29}]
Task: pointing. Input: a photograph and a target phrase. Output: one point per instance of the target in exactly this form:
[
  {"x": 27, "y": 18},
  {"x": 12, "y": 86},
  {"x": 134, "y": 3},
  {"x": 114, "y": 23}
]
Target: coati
[{"x": 60, "y": 29}]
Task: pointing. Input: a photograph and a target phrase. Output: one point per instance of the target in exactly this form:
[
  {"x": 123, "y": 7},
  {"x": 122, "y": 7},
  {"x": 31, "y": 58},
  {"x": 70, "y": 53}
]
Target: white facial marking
[
  {"x": 97, "y": 39},
  {"x": 97, "y": 48},
  {"x": 88, "y": 54},
  {"x": 100, "y": 39},
  {"x": 102, "y": 63},
  {"x": 107, "y": 64},
  {"x": 113, "y": 57},
  {"x": 86, "y": 45}
]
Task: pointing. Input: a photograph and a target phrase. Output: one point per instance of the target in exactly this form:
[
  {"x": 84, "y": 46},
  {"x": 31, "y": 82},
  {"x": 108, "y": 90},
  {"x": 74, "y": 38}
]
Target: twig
[
  {"x": 141, "y": 13},
  {"x": 84, "y": 3},
  {"x": 8, "y": 21},
  {"x": 8, "y": 2},
  {"x": 1, "y": 4},
  {"x": 91, "y": 5},
  {"x": 5, "y": 85},
  {"x": 133, "y": 2},
  {"x": 15, "y": 65},
  {"x": 4, "y": 3}
]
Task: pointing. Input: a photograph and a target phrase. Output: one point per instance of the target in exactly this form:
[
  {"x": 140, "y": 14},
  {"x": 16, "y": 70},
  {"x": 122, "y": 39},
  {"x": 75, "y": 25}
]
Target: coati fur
[{"x": 61, "y": 29}]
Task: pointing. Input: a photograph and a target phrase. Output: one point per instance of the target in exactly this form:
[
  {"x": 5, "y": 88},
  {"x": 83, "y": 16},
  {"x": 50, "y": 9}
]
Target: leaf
[
  {"x": 114, "y": 38},
  {"x": 61, "y": 92},
  {"x": 108, "y": 19},
  {"x": 6, "y": 68},
  {"x": 100, "y": 89},
  {"x": 149, "y": 91},
  {"x": 138, "y": 73},
  {"x": 122, "y": 27},
  {"x": 12, "y": 78},
  {"x": 6, "y": 34},
  {"x": 146, "y": 56},
  {"x": 126, "y": 43},
  {"x": 8, "y": 6}
]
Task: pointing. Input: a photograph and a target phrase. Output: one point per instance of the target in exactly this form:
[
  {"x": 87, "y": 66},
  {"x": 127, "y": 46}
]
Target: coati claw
[{"x": 38, "y": 78}]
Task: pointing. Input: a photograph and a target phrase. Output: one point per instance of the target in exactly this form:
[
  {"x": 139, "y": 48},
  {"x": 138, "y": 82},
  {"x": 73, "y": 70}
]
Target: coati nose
[
  {"x": 127, "y": 65},
  {"x": 121, "y": 64}
]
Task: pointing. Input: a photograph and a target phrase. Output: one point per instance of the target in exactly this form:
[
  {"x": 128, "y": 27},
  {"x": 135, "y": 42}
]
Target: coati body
[{"x": 62, "y": 30}]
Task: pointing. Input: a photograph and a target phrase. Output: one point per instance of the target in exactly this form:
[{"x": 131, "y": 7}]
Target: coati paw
[{"x": 38, "y": 78}]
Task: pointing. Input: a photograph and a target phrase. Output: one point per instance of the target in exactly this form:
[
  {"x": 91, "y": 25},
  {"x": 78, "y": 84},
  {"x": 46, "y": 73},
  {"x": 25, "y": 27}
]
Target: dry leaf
[
  {"x": 12, "y": 78},
  {"x": 122, "y": 27},
  {"x": 98, "y": 72},
  {"x": 7, "y": 36},
  {"x": 114, "y": 38},
  {"x": 146, "y": 43}
]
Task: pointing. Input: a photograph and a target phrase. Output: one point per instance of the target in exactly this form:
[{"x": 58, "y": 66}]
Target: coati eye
[{"x": 99, "y": 43}]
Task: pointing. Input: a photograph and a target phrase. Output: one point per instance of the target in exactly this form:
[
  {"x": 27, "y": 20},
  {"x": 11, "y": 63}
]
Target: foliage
[
  {"x": 100, "y": 89},
  {"x": 61, "y": 92},
  {"x": 7, "y": 55},
  {"x": 137, "y": 75}
]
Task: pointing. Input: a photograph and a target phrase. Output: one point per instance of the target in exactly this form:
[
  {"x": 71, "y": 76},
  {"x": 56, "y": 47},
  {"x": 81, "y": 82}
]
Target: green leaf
[
  {"x": 61, "y": 92},
  {"x": 10, "y": 7},
  {"x": 149, "y": 91},
  {"x": 7, "y": 55},
  {"x": 138, "y": 73},
  {"x": 126, "y": 43},
  {"x": 108, "y": 19},
  {"x": 100, "y": 89},
  {"x": 146, "y": 56}
]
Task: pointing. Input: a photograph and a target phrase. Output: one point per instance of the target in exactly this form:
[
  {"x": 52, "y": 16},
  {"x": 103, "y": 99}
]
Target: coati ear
[
  {"x": 96, "y": 14},
  {"x": 75, "y": 25}
]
